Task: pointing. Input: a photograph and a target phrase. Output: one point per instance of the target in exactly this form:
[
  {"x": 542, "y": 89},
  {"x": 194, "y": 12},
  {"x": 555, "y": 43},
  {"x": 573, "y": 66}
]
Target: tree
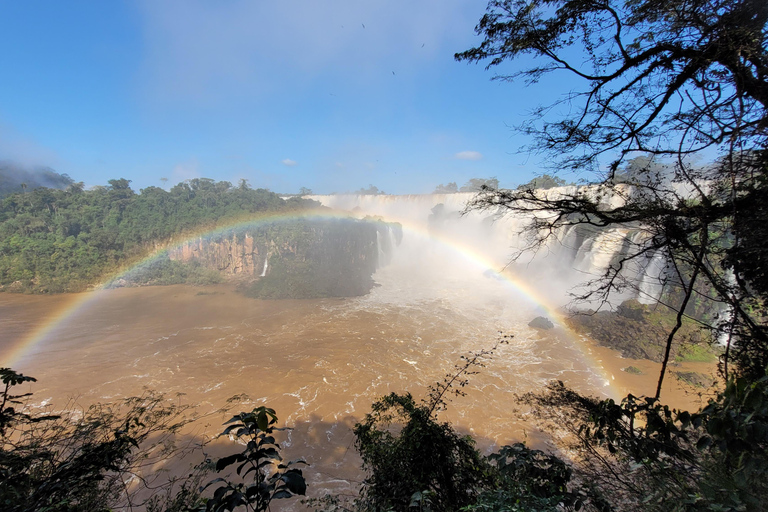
[
  {"x": 544, "y": 181},
  {"x": 304, "y": 191},
  {"x": 450, "y": 188},
  {"x": 371, "y": 190},
  {"x": 106, "y": 457},
  {"x": 477, "y": 184},
  {"x": 260, "y": 461},
  {"x": 417, "y": 462},
  {"x": 82, "y": 459},
  {"x": 424, "y": 463},
  {"x": 666, "y": 79}
]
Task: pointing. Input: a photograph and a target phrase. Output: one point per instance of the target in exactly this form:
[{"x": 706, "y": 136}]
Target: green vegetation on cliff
[
  {"x": 65, "y": 240},
  {"x": 639, "y": 331},
  {"x": 317, "y": 258}
]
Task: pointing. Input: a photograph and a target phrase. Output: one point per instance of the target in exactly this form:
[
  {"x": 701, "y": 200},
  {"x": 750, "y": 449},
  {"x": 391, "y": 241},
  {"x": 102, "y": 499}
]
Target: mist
[{"x": 13, "y": 175}]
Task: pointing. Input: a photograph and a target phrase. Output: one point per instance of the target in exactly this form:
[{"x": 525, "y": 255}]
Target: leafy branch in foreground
[
  {"x": 260, "y": 463},
  {"x": 643, "y": 455},
  {"x": 455, "y": 382},
  {"x": 666, "y": 81},
  {"x": 102, "y": 458},
  {"x": 416, "y": 462}
]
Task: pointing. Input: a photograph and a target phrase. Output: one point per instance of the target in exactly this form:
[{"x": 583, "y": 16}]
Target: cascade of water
[
  {"x": 578, "y": 253},
  {"x": 384, "y": 246},
  {"x": 652, "y": 279},
  {"x": 266, "y": 266}
]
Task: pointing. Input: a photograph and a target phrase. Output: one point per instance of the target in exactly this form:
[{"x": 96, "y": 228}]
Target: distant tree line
[
  {"x": 473, "y": 185},
  {"x": 64, "y": 240},
  {"x": 479, "y": 184}
]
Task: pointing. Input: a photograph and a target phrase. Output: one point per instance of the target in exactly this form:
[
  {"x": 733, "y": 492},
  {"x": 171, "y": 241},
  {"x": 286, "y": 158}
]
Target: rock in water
[{"x": 541, "y": 322}]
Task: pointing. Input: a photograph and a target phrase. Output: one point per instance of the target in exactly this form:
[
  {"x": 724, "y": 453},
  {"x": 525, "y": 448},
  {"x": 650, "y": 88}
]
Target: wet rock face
[
  {"x": 541, "y": 322},
  {"x": 635, "y": 339},
  {"x": 632, "y": 309},
  {"x": 638, "y": 331},
  {"x": 232, "y": 256},
  {"x": 294, "y": 259},
  {"x": 695, "y": 379}
]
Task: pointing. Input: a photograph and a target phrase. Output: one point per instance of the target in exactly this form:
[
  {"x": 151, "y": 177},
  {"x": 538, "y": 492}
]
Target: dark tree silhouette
[{"x": 668, "y": 80}]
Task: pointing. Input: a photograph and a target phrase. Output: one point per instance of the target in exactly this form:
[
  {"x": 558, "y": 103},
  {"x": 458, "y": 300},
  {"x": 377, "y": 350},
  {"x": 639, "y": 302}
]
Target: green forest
[{"x": 54, "y": 240}]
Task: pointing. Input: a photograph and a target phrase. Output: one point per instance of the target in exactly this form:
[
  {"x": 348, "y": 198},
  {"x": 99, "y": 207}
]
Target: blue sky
[{"x": 329, "y": 95}]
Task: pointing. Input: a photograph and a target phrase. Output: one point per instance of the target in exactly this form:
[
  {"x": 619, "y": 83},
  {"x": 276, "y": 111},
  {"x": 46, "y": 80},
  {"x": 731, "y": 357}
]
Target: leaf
[
  {"x": 214, "y": 481},
  {"x": 294, "y": 481},
  {"x": 231, "y": 428},
  {"x": 234, "y": 418},
  {"x": 704, "y": 442},
  {"x": 262, "y": 421},
  {"x": 229, "y": 459},
  {"x": 270, "y": 453},
  {"x": 281, "y": 494}
]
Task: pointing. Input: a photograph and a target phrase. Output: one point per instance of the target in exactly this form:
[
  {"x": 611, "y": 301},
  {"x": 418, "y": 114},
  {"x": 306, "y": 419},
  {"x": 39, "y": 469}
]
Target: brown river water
[{"x": 319, "y": 363}]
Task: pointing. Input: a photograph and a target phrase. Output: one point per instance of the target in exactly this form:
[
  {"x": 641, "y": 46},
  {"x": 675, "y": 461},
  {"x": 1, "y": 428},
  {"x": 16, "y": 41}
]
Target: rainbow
[{"x": 80, "y": 301}]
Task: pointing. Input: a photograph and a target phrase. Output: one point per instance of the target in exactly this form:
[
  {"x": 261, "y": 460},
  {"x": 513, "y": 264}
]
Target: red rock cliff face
[
  {"x": 238, "y": 256},
  {"x": 307, "y": 258}
]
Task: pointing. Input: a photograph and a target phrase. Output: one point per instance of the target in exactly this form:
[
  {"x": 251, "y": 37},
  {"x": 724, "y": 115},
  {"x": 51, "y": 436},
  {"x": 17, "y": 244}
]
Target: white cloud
[
  {"x": 468, "y": 155},
  {"x": 288, "y": 162}
]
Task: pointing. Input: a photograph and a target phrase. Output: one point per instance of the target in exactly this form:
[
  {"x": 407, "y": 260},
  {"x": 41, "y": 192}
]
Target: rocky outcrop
[
  {"x": 300, "y": 258},
  {"x": 236, "y": 255},
  {"x": 541, "y": 322},
  {"x": 637, "y": 330}
]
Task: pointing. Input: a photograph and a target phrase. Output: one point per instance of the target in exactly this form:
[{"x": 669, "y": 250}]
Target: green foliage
[
  {"x": 259, "y": 463},
  {"x": 318, "y": 258},
  {"x": 414, "y": 460},
  {"x": 450, "y": 188},
  {"x": 92, "y": 460},
  {"x": 529, "y": 480},
  {"x": 642, "y": 454},
  {"x": 80, "y": 460},
  {"x": 749, "y": 257},
  {"x": 696, "y": 354},
  {"x": 9, "y": 415},
  {"x": 425, "y": 459},
  {"x": 371, "y": 190},
  {"x": 544, "y": 181},
  {"x": 65, "y": 240},
  {"x": 478, "y": 184},
  {"x": 163, "y": 271},
  {"x": 736, "y": 437}
]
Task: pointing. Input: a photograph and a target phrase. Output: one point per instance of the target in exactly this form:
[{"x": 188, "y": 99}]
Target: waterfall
[
  {"x": 575, "y": 255},
  {"x": 266, "y": 266},
  {"x": 652, "y": 279}
]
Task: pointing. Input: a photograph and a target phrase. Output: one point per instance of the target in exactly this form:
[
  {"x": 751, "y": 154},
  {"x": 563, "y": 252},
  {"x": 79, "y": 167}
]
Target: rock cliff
[{"x": 300, "y": 258}]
